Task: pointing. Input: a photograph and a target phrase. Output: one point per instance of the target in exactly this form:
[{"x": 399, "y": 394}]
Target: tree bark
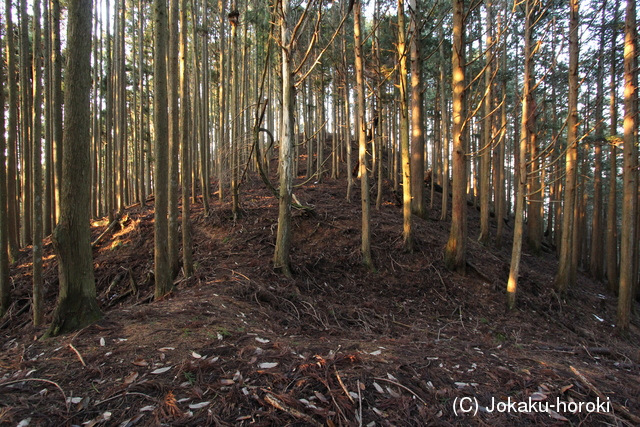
[
  {"x": 162, "y": 267},
  {"x": 455, "y": 251},
  {"x": 281, "y": 260},
  {"x": 418, "y": 206},
  {"x": 362, "y": 140},
  {"x": 403, "y": 54},
  {"x": 628, "y": 247},
  {"x": 5, "y": 279},
  {"x": 77, "y": 306},
  {"x": 566, "y": 270}
]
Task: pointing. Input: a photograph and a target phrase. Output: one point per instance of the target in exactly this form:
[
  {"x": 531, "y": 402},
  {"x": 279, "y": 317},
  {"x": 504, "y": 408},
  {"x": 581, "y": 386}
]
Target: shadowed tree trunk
[
  {"x": 5, "y": 279},
  {"x": 566, "y": 270},
  {"x": 162, "y": 267},
  {"x": 612, "y": 220},
  {"x": 77, "y": 305}
]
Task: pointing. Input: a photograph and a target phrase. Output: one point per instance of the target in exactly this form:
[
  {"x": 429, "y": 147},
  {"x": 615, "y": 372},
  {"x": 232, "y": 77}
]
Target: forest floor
[{"x": 408, "y": 344}]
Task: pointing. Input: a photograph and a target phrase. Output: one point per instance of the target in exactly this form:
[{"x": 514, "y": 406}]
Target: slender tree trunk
[
  {"x": 13, "y": 224},
  {"x": 185, "y": 137},
  {"x": 5, "y": 278},
  {"x": 26, "y": 126},
  {"x": 628, "y": 255},
  {"x": 347, "y": 114},
  {"x": 77, "y": 305},
  {"x": 417, "y": 133},
  {"x": 597, "y": 238},
  {"x": 485, "y": 156},
  {"x": 403, "y": 54},
  {"x": 174, "y": 136},
  {"x": 281, "y": 260},
  {"x": 162, "y": 268},
  {"x": 222, "y": 102},
  {"x": 444, "y": 125},
  {"x": 566, "y": 270},
  {"x": 362, "y": 139},
  {"x": 455, "y": 252},
  {"x": 36, "y": 166},
  {"x": 56, "y": 107},
  {"x": 612, "y": 219}
]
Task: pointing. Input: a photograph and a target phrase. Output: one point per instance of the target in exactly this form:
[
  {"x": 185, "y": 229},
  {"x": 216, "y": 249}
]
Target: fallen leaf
[
  {"x": 148, "y": 408},
  {"x": 267, "y": 365},
  {"x": 262, "y": 340},
  {"x": 24, "y": 423},
  {"x": 163, "y": 349},
  {"x": 199, "y": 405},
  {"x": 227, "y": 382},
  {"x": 140, "y": 362},
  {"x": 196, "y": 355},
  {"x": 379, "y": 389},
  {"x": 321, "y": 397},
  {"x": 131, "y": 378},
  {"x": 161, "y": 370},
  {"x": 376, "y": 353},
  {"x": 565, "y": 388},
  {"x": 102, "y": 342},
  {"x": 556, "y": 416},
  {"x": 538, "y": 397}
]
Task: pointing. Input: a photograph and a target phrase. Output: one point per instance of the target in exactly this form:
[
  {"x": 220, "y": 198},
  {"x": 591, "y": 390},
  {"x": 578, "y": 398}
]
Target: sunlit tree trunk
[
  {"x": 628, "y": 255},
  {"x": 417, "y": 123},
  {"x": 362, "y": 139},
  {"x": 25, "y": 126},
  {"x": 526, "y": 129},
  {"x": 566, "y": 270},
  {"x": 77, "y": 306},
  {"x": 403, "y": 53},
  {"x": 455, "y": 251}
]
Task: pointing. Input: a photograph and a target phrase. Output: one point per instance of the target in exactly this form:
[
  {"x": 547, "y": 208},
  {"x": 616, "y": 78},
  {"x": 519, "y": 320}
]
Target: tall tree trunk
[
  {"x": 185, "y": 137},
  {"x": 485, "y": 156},
  {"x": 162, "y": 268},
  {"x": 612, "y": 219},
  {"x": 5, "y": 279},
  {"x": 174, "y": 137},
  {"x": 25, "y": 125},
  {"x": 444, "y": 125},
  {"x": 281, "y": 260},
  {"x": 13, "y": 224},
  {"x": 455, "y": 252},
  {"x": 77, "y": 305},
  {"x": 347, "y": 114},
  {"x": 403, "y": 54},
  {"x": 222, "y": 102},
  {"x": 597, "y": 237},
  {"x": 566, "y": 270},
  {"x": 36, "y": 169},
  {"x": 57, "y": 98},
  {"x": 628, "y": 255},
  {"x": 362, "y": 139},
  {"x": 527, "y": 115},
  {"x": 417, "y": 123}
]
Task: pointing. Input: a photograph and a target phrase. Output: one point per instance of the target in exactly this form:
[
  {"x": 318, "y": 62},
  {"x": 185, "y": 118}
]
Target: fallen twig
[
  {"x": 278, "y": 404},
  {"x": 404, "y": 387},
  {"x": 344, "y": 388},
  {"x": 624, "y": 411},
  {"x": 78, "y": 354},
  {"x": 66, "y": 404},
  {"x": 104, "y": 233}
]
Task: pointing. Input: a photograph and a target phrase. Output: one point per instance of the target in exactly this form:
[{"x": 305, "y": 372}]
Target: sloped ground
[{"x": 337, "y": 345}]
